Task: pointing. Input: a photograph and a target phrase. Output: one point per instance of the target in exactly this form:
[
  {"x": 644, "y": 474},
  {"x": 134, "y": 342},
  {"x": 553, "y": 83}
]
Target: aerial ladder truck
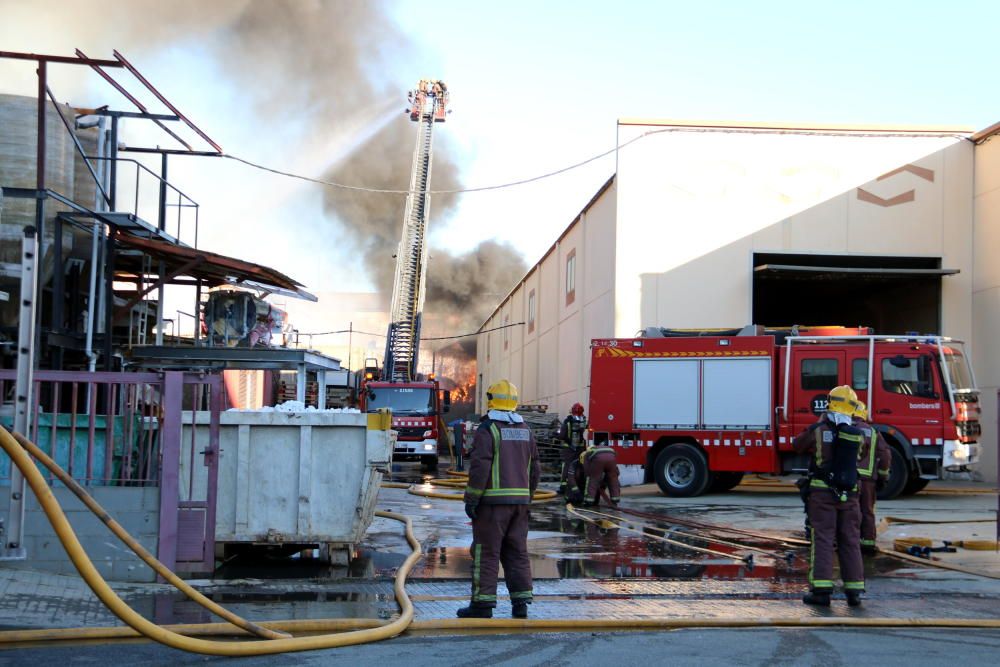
[{"x": 417, "y": 403}]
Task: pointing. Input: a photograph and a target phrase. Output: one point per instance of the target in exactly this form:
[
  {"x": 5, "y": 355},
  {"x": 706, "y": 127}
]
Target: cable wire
[{"x": 577, "y": 165}]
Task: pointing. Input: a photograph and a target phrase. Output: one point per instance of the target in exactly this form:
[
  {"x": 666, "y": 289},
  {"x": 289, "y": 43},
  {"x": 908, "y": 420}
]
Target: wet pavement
[{"x": 582, "y": 569}]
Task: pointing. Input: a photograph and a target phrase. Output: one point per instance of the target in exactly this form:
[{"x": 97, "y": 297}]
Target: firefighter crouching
[
  {"x": 873, "y": 474},
  {"x": 503, "y": 475},
  {"x": 571, "y": 435},
  {"x": 834, "y": 513},
  {"x": 597, "y": 468}
]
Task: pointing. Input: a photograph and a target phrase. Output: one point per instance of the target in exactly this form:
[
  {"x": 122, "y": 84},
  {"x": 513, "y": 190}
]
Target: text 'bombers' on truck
[{"x": 700, "y": 409}]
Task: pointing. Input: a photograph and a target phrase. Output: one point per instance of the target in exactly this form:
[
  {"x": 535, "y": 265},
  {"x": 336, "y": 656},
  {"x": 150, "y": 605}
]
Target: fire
[{"x": 457, "y": 372}]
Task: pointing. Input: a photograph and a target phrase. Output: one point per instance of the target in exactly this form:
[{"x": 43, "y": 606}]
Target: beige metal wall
[
  {"x": 714, "y": 288},
  {"x": 986, "y": 294},
  {"x": 549, "y": 361}
]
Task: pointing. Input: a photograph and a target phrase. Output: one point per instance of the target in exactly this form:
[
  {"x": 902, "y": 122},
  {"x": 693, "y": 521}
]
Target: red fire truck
[
  {"x": 417, "y": 409},
  {"x": 699, "y": 409}
]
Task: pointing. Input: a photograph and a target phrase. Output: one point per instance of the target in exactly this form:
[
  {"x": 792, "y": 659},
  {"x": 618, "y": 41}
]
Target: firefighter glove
[
  {"x": 880, "y": 483},
  {"x": 470, "y": 510}
]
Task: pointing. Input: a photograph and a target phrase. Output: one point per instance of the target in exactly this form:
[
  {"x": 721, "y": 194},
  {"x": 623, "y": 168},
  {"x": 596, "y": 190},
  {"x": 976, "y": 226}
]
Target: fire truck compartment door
[
  {"x": 736, "y": 394},
  {"x": 666, "y": 393}
]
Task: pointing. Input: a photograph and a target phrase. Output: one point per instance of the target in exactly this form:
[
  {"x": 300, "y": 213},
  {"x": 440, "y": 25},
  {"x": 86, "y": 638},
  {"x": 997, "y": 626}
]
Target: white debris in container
[{"x": 296, "y": 406}]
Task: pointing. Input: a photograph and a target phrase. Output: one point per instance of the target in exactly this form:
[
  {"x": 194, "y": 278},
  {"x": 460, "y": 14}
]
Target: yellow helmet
[
  {"x": 861, "y": 412},
  {"x": 502, "y": 395},
  {"x": 843, "y": 400}
]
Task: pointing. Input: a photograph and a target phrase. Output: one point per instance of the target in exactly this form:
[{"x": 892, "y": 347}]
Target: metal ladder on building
[{"x": 403, "y": 341}]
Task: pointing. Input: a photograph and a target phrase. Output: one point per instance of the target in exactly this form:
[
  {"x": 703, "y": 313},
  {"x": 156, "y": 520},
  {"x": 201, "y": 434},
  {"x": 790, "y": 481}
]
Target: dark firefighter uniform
[
  {"x": 571, "y": 435},
  {"x": 503, "y": 475},
  {"x": 873, "y": 473},
  {"x": 598, "y": 466},
  {"x": 834, "y": 512}
]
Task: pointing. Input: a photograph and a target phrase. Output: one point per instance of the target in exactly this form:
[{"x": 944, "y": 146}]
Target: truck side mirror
[{"x": 447, "y": 401}]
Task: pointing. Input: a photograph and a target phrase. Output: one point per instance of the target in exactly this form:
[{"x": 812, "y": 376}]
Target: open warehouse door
[{"x": 890, "y": 294}]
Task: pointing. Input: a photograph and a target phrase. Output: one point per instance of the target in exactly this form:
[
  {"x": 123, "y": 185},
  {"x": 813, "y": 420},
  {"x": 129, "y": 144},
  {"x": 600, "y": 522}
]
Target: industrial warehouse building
[{"x": 708, "y": 225}]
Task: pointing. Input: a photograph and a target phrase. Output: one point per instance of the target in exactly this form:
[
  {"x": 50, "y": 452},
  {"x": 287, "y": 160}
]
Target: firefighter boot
[
  {"x": 519, "y": 609},
  {"x": 853, "y": 598},
  {"x": 475, "y": 610},
  {"x": 818, "y": 598}
]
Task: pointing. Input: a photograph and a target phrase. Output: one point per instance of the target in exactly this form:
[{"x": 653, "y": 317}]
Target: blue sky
[{"x": 539, "y": 85}]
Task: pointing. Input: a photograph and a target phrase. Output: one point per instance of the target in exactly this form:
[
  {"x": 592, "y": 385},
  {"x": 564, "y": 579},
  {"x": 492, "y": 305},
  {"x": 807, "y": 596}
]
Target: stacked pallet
[{"x": 545, "y": 427}]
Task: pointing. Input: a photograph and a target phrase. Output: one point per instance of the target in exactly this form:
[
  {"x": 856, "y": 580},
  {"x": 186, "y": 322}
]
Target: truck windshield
[
  {"x": 959, "y": 371},
  {"x": 402, "y": 400}
]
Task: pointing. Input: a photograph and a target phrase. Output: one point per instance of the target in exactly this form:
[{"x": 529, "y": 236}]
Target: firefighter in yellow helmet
[
  {"x": 503, "y": 475},
  {"x": 833, "y": 444},
  {"x": 873, "y": 473}
]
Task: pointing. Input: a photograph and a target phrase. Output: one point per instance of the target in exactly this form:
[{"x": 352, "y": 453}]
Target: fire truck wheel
[
  {"x": 724, "y": 481},
  {"x": 899, "y": 475},
  {"x": 916, "y": 484},
  {"x": 681, "y": 471},
  {"x": 431, "y": 463}
]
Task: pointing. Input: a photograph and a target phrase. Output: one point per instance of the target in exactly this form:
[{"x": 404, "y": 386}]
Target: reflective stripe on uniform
[
  {"x": 854, "y": 585},
  {"x": 867, "y": 470},
  {"x": 506, "y": 492},
  {"x": 477, "y": 552},
  {"x": 495, "y": 467},
  {"x": 521, "y": 595}
]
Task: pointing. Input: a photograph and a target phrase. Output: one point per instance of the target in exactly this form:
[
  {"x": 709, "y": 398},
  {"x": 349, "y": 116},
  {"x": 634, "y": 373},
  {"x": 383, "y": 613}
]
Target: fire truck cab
[
  {"x": 698, "y": 410},
  {"x": 416, "y": 408}
]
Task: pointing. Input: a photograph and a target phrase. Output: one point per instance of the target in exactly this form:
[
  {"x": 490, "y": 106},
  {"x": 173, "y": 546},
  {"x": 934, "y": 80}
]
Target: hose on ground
[
  {"x": 104, "y": 592},
  {"x": 138, "y": 549},
  {"x": 327, "y": 625}
]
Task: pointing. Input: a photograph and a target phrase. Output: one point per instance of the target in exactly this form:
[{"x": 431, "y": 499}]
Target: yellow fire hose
[
  {"x": 92, "y": 577},
  {"x": 139, "y": 550},
  {"x": 364, "y": 630}
]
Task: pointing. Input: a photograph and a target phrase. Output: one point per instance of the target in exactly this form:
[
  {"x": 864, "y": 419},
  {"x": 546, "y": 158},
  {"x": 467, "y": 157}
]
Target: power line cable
[
  {"x": 422, "y": 339},
  {"x": 577, "y": 165}
]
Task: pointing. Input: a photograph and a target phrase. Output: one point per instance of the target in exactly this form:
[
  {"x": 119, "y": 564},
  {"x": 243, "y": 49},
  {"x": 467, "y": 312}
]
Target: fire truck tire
[
  {"x": 916, "y": 484},
  {"x": 724, "y": 481},
  {"x": 899, "y": 475},
  {"x": 681, "y": 471},
  {"x": 431, "y": 463}
]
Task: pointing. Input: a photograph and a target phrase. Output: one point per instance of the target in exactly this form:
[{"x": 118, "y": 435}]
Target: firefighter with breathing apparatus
[
  {"x": 873, "y": 474},
  {"x": 834, "y": 445},
  {"x": 571, "y": 435}
]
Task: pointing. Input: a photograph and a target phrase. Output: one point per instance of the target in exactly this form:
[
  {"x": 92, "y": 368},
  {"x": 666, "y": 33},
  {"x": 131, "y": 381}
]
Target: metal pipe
[
  {"x": 92, "y": 293},
  {"x": 871, "y": 366}
]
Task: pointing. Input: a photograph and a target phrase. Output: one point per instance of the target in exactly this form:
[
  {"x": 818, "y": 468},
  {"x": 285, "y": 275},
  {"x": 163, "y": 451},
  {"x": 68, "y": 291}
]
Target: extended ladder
[{"x": 403, "y": 340}]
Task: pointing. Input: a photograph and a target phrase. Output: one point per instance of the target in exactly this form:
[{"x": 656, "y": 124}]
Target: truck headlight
[{"x": 430, "y": 447}]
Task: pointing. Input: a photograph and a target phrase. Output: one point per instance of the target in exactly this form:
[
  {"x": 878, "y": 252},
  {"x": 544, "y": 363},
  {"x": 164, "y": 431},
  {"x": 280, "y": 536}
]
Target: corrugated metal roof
[{"x": 213, "y": 268}]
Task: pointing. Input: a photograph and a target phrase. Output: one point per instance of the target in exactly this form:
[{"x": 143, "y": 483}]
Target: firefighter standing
[
  {"x": 873, "y": 473},
  {"x": 834, "y": 512},
  {"x": 503, "y": 475},
  {"x": 572, "y": 436},
  {"x": 598, "y": 468}
]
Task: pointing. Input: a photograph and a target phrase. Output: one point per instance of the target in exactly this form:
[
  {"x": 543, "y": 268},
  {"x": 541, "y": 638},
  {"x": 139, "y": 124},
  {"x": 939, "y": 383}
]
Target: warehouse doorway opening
[{"x": 890, "y": 294}]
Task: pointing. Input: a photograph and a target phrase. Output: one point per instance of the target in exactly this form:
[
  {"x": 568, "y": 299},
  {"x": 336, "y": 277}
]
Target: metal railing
[
  {"x": 102, "y": 428},
  {"x": 148, "y": 212}
]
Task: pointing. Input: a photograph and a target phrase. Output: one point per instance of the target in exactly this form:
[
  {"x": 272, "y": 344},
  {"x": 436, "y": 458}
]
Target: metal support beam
[
  {"x": 13, "y": 542},
  {"x": 321, "y": 390},
  {"x": 139, "y": 105},
  {"x": 123, "y": 312},
  {"x": 300, "y": 384}
]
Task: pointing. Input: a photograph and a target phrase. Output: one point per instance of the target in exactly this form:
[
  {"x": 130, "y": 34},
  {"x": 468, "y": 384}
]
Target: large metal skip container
[{"x": 295, "y": 477}]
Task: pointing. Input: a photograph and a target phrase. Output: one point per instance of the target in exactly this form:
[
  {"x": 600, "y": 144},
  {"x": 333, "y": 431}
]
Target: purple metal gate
[
  {"x": 189, "y": 475},
  {"x": 134, "y": 429}
]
